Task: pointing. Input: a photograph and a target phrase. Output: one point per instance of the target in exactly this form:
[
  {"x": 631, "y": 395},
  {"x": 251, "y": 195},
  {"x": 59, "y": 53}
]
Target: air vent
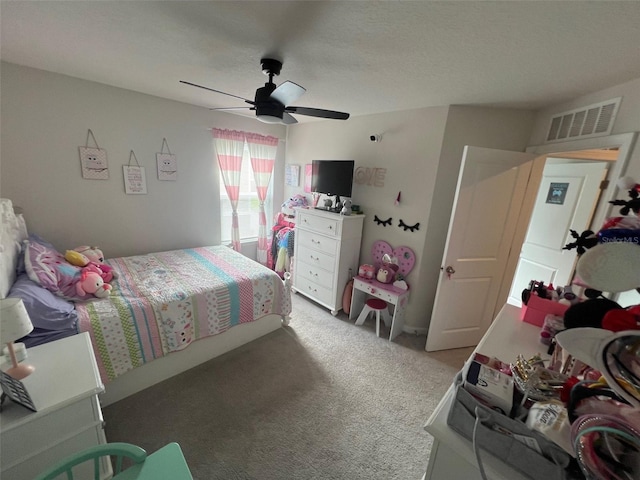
[{"x": 591, "y": 121}]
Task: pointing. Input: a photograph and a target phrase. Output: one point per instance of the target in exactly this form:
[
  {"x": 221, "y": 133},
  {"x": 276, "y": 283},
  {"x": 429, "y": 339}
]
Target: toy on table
[
  {"x": 297, "y": 200},
  {"x": 387, "y": 271},
  {"x": 367, "y": 271},
  {"x": 401, "y": 260},
  {"x": 346, "y": 207},
  {"x": 86, "y": 255}
]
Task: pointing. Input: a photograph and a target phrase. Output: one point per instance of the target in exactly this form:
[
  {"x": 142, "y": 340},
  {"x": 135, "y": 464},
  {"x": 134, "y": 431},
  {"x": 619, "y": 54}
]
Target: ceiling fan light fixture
[{"x": 269, "y": 118}]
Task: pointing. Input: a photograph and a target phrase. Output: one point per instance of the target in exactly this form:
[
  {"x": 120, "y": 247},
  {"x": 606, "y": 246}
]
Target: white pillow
[{"x": 12, "y": 233}]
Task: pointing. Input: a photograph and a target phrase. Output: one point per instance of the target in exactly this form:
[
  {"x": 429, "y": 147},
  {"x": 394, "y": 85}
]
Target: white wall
[
  {"x": 627, "y": 120},
  {"x": 503, "y": 129},
  {"x": 421, "y": 150},
  {"x": 45, "y": 117}
]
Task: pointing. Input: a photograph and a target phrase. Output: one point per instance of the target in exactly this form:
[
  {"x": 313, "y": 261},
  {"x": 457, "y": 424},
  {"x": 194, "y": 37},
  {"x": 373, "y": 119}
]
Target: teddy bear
[
  {"x": 346, "y": 207},
  {"x": 85, "y": 255},
  {"x": 91, "y": 282}
]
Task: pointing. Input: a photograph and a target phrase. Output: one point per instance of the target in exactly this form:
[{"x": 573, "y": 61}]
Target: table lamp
[{"x": 14, "y": 324}]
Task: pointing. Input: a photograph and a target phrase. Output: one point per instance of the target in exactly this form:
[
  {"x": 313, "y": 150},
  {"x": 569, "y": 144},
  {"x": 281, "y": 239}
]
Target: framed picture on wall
[
  {"x": 292, "y": 175},
  {"x": 135, "y": 180},
  {"x": 308, "y": 172},
  {"x": 93, "y": 160}
]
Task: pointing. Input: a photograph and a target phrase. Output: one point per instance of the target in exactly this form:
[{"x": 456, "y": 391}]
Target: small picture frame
[
  {"x": 167, "y": 163},
  {"x": 292, "y": 175},
  {"x": 167, "y": 166},
  {"x": 93, "y": 160},
  {"x": 557, "y": 193},
  {"x": 308, "y": 172},
  {"x": 135, "y": 181}
]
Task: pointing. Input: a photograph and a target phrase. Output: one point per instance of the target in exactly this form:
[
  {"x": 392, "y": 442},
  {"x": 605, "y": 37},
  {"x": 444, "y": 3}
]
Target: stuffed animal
[
  {"x": 91, "y": 282},
  {"x": 346, "y": 207},
  {"x": 76, "y": 258},
  {"x": 387, "y": 273},
  {"x": 95, "y": 255}
]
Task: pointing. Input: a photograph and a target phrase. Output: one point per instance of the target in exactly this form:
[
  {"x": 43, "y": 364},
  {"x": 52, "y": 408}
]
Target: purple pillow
[
  {"x": 32, "y": 238},
  {"x": 49, "y": 269},
  {"x": 52, "y": 317}
]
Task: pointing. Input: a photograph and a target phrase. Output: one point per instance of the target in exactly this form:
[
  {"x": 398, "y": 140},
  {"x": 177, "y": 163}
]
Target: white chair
[{"x": 379, "y": 307}]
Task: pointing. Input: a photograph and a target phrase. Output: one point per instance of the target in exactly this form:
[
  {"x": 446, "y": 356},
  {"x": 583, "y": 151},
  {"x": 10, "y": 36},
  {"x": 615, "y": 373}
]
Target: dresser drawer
[
  {"x": 76, "y": 417},
  {"x": 317, "y": 242},
  {"x": 315, "y": 274},
  {"x": 328, "y": 226},
  {"x": 314, "y": 290},
  {"x": 315, "y": 258}
]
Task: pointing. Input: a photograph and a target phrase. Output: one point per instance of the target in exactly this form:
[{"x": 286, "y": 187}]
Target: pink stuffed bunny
[{"x": 91, "y": 282}]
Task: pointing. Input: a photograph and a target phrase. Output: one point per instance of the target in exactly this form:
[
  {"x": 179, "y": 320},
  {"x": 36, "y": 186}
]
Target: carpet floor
[{"x": 320, "y": 399}]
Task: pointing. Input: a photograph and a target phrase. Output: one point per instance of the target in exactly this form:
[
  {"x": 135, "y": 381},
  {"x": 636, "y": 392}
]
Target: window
[{"x": 247, "y": 204}]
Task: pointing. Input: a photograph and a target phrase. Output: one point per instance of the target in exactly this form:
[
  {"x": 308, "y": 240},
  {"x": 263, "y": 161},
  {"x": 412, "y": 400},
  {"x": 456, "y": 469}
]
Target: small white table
[
  {"x": 397, "y": 297},
  {"x": 452, "y": 455},
  {"x": 64, "y": 388}
]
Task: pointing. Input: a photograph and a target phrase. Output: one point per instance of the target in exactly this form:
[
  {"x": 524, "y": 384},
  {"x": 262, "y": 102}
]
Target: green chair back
[{"x": 118, "y": 450}]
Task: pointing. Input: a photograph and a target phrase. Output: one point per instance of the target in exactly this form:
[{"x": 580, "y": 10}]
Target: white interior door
[
  {"x": 489, "y": 196},
  {"x": 567, "y": 198}
]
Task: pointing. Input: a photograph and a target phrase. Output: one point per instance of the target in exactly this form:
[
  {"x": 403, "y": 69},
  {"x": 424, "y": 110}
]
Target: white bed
[{"x": 183, "y": 307}]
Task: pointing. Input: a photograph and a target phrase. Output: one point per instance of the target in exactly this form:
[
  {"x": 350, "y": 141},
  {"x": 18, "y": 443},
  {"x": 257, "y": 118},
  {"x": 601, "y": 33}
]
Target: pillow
[
  {"x": 50, "y": 315},
  {"x": 48, "y": 268},
  {"x": 13, "y": 231},
  {"x": 20, "y": 269}
]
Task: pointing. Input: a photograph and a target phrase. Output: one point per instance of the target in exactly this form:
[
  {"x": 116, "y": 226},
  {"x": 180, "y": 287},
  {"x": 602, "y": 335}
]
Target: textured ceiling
[{"x": 361, "y": 57}]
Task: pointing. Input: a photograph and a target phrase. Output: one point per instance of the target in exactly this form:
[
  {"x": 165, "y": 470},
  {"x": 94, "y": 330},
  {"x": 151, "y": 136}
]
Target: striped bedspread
[{"x": 161, "y": 302}]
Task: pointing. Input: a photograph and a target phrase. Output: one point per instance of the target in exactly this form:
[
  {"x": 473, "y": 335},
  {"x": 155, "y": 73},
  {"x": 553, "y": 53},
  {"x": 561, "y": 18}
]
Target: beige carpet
[{"x": 320, "y": 399}]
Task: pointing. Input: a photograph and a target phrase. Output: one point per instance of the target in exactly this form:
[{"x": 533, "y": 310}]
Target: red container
[{"x": 537, "y": 308}]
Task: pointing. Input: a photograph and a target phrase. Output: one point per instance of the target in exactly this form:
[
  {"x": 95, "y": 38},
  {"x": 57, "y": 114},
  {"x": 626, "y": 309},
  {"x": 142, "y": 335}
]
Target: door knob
[{"x": 450, "y": 271}]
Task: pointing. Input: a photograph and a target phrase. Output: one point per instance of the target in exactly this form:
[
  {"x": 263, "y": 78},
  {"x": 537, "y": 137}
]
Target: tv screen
[{"x": 332, "y": 177}]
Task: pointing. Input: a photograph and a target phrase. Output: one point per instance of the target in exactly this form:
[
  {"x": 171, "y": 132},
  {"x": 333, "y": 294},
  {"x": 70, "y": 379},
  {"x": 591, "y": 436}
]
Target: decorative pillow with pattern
[{"x": 48, "y": 268}]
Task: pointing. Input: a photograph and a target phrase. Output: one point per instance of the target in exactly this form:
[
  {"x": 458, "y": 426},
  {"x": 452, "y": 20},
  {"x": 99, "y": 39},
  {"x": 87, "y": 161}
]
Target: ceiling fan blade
[
  {"x": 288, "y": 119},
  {"x": 317, "y": 112},
  {"x": 217, "y": 91},
  {"x": 233, "y": 108},
  {"x": 287, "y": 92}
]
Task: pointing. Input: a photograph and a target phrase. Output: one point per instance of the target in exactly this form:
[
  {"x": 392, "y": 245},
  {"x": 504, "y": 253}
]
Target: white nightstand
[{"x": 64, "y": 388}]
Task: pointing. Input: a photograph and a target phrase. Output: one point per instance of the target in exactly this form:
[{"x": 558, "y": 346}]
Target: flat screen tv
[{"x": 332, "y": 177}]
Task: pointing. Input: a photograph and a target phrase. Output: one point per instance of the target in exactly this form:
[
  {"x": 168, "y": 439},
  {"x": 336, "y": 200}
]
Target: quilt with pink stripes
[{"x": 161, "y": 302}]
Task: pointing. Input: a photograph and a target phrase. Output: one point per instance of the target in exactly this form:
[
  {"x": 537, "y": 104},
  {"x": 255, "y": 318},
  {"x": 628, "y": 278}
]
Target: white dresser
[
  {"x": 327, "y": 245},
  {"x": 64, "y": 388}
]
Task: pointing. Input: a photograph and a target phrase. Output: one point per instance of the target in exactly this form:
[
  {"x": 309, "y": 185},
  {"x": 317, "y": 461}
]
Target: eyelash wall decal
[
  {"x": 408, "y": 227},
  {"x": 384, "y": 223}
]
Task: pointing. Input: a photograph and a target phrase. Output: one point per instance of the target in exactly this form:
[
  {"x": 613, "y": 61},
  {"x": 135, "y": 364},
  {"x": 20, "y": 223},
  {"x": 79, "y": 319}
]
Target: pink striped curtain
[
  {"x": 229, "y": 145},
  {"x": 263, "y": 157}
]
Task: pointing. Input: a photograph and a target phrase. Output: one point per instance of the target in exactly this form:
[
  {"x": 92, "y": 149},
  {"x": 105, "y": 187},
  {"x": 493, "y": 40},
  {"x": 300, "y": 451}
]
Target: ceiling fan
[{"x": 272, "y": 104}]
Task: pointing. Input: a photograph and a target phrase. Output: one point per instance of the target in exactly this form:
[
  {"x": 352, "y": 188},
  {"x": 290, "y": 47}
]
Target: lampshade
[{"x": 14, "y": 320}]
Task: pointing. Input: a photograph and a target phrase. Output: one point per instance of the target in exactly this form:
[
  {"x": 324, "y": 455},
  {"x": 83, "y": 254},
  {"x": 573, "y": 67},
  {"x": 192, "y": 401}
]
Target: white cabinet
[
  {"x": 327, "y": 245},
  {"x": 452, "y": 456},
  {"x": 64, "y": 388}
]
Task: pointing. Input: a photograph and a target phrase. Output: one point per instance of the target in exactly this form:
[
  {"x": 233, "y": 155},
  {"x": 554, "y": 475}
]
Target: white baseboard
[{"x": 415, "y": 330}]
